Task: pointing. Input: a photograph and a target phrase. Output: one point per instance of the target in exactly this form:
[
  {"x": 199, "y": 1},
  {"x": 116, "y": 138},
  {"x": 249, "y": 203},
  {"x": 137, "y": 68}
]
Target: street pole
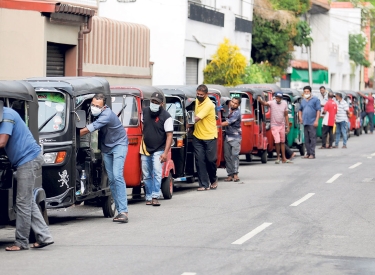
[{"x": 310, "y": 67}]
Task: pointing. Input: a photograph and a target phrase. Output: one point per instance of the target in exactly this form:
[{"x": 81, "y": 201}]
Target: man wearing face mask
[
  {"x": 114, "y": 147},
  {"x": 205, "y": 140},
  {"x": 279, "y": 123},
  {"x": 309, "y": 114},
  {"x": 156, "y": 143}
]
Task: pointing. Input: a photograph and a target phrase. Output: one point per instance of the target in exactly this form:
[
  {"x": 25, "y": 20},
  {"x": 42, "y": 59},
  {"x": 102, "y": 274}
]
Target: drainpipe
[{"x": 85, "y": 28}]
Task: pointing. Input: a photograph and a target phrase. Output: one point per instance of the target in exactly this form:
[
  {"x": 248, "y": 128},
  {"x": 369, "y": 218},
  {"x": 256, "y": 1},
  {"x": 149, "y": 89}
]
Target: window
[
  {"x": 127, "y": 106},
  {"x": 175, "y": 109},
  {"x": 52, "y": 112},
  {"x": 245, "y": 105}
]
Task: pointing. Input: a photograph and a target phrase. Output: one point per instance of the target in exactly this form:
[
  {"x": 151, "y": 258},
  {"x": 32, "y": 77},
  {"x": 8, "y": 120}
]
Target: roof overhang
[
  {"x": 303, "y": 65},
  {"x": 319, "y": 6}
]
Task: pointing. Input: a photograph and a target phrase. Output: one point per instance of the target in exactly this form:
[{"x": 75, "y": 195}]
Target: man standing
[
  {"x": 114, "y": 147},
  {"x": 205, "y": 140},
  {"x": 25, "y": 155},
  {"x": 156, "y": 143},
  {"x": 232, "y": 142},
  {"x": 341, "y": 120},
  {"x": 323, "y": 97},
  {"x": 279, "y": 123},
  {"x": 308, "y": 114},
  {"x": 369, "y": 112},
  {"x": 330, "y": 111}
]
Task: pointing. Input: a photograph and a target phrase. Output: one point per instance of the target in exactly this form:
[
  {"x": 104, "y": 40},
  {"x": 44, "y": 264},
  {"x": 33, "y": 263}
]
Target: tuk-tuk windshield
[
  {"x": 52, "y": 112},
  {"x": 126, "y": 106},
  {"x": 174, "y": 107}
]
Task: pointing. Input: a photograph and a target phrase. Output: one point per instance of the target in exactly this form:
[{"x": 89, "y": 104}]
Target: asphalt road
[{"x": 309, "y": 217}]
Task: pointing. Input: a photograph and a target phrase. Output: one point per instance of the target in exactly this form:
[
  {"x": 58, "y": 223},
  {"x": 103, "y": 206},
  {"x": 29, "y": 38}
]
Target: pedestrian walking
[
  {"x": 308, "y": 114},
  {"x": 341, "y": 120},
  {"x": 369, "y": 112},
  {"x": 114, "y": 147},
  {"x": 205, "y": 140},
  {"x": 232, "y": 142},
  {"x": 279, "y": 124},
  {"x": 24, "y": 155},
  {"x": 156, "y": 143},
  {"x": 329, "y": 111}
]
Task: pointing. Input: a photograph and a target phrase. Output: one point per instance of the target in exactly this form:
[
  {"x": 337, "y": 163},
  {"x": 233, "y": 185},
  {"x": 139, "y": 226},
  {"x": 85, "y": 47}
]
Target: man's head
[
  {"x": 279, "y": 97},
  {"x": 307, "y": 92},
  {"x": 98, "y": 104},
  {"x": 338, "y": 96},
  {"x": 202, "y": 92},
  {"x": 235, "y": 102},
  {"x": 330, "y": 95},
  {"x": 322, "y": 90},
  {"x": 157, "y": 100}
]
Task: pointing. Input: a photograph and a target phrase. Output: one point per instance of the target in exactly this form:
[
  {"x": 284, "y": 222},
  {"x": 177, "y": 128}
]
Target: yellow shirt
[{"x": 205, "y": 128}]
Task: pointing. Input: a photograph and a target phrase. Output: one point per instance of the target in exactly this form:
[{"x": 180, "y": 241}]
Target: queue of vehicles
[{"x": 55, "y": 109}]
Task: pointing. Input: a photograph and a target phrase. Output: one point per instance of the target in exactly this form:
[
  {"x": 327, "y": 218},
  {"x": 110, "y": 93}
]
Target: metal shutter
[
  {"x": 55, "y": 60},
  {"x": 191, "y": 71}
]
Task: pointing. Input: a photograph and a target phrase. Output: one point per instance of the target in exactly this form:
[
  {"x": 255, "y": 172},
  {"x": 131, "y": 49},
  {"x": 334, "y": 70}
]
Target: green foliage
[
  {"x": 357, "y": 44},
  {"x": 296, "y": 6},
  {"x": 303, "y": 34},
  {"x": 259, "y": 73},
  {"x": 227, "y": 66}
]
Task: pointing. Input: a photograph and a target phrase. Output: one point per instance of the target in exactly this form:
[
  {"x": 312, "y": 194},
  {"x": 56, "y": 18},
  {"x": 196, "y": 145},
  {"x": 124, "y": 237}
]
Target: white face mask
[
  {"x": 154, "y": 107},
  {"x": 95, "y": 111},
  {"x": 307, "y": 95}
]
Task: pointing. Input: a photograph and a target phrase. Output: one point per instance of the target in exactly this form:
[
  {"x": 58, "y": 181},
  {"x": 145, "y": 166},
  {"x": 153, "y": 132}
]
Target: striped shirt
[{"x": 342, "y": 107}]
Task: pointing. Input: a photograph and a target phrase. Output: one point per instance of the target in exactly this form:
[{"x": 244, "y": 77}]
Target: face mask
[
  {"x": 307, "y": 95},
  {"x": 200, "y": 98},
  {"x": 154, "y": 107},
  {"x": 95, "y": 111}
]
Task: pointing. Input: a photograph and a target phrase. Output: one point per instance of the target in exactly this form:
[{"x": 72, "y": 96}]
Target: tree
[
  {"x": 227, "y": 66},
  {"x": 357, "y": 44},
  {"x": 259, "y": 73}
]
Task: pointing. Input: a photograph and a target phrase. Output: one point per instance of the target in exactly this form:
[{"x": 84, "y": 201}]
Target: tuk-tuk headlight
[{"x": 54, "y": 157}]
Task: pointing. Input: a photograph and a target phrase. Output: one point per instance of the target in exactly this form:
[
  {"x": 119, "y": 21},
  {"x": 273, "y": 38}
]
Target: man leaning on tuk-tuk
[
  {"x": 156, "y": 143},
  {"x": 369, "y": 112},
  {"x": 25, "y": 155},
  {"x": 114, "y": 146}
]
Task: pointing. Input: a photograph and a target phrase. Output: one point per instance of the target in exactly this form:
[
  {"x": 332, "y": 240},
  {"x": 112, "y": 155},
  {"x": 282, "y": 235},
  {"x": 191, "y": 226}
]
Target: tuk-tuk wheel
[
  {"x": 108, "y": 206},
  {"x": 167, "y": 187},
  {"x": 263, "y": 157}
]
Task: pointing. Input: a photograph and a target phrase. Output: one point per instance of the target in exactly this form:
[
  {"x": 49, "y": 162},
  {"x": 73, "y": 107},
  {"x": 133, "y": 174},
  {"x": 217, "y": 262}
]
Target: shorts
[{"x": 278, "y": 133}]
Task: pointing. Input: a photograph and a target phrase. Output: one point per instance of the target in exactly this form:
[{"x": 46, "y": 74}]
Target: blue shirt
[
  {"x": 233, "y": 130},
  {"x": 309, "y": 109},
  {"x": 21, "y": 146},
  {"x": 112, "y": 131}
]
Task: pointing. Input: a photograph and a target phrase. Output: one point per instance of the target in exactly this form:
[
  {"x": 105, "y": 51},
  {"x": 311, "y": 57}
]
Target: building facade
[{"x": 185, "y": 34}]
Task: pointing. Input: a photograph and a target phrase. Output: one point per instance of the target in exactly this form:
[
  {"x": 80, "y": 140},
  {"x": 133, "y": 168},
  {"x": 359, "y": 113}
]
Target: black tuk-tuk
[
  {"x": 21, "y": 97},
  {"x": 64, "y": 108}
]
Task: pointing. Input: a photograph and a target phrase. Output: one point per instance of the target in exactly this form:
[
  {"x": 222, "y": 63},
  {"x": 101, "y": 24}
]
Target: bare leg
[
  {"x": 283, "y": 152},
  {"x": 278, "y": 150}
]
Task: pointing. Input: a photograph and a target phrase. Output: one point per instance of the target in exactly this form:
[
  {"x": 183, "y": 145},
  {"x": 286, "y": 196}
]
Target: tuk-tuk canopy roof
[
  {"x": 18, "y": 89},
  {"x": 218, "y": 89},
  {"x": 143, "y": 92},
  {"x": 348, "y": 92},
  {"x": 265, "y": 87},
  {"x": 254, "y": 92},
  {"x": 179, "y": 90},
  {"x": 75, "y": 86},
  {"x": 289, "y": 91}
]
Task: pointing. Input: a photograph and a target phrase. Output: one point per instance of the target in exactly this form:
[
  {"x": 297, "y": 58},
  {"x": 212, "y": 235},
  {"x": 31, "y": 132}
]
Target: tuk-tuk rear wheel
[
  {"x": 263, "y": 157},
  {"x": 108, "y": 206},
  {"x": 167, "y": 187}
]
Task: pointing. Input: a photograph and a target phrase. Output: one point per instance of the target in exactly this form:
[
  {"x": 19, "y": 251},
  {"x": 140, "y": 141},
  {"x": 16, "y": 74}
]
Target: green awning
[{"x": 319, "y": 76}]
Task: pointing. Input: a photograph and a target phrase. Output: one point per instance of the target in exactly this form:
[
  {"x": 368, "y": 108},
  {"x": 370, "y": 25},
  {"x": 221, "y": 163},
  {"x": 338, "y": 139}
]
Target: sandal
[
  {"x": 228, "y": 179},
  {"x": 148, "y": 202},
  {"x": 277, "y": 161},
  {"x": 203, "y": 189},
  {"x": 311, "y": 157},
  {"x": 15, "y": 247},
  {"x": 123, "y": 218},
  {"x": 41, "y": 245},
  {"x": 288, "y": 161},
  {"x": 306, "y": 157},
  {"x": 322, "y": 147},
  {"x": 236, "y": 180},
  {"x": 213, "y": 187},
  {"x": 155, "y": 202}
]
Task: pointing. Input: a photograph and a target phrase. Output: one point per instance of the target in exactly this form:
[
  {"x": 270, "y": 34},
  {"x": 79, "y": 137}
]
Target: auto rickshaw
[
  {"x": 127, "y": 102},
  {"x": 64, "y": 109},
  {"x": 295, "y": 137},
  {"x": 253, "y": 123},
  {"x": 21, "y": 97}
]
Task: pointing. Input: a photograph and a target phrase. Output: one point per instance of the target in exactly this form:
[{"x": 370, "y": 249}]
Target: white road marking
[
  {"x": 188, "y": 273},
  {"x": 309, "y": 195},
  {"x": 355, "y": 165},
  {"x": 373, "y": 154},
  {"x": 335, "y": 177},
  {"x": 251, "y": 234}
]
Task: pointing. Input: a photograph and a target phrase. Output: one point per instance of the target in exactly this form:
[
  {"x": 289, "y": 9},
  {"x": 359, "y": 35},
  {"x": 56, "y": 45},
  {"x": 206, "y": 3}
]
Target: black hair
[
  {"x": 322, "y": 87},
  {"x": 238, "y": 99},
  {"x": 100, "y": 96},
  {"x": 307, "y": 88},
  {"x": 202, "y": 88},
  {"x": 330, "y": 95},
  {"x": 339, "y": 94}
]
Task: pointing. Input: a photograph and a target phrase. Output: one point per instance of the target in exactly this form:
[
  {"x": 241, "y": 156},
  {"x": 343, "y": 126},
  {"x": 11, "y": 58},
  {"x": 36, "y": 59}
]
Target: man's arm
[
  {"x": 362, "y": 95},
  {"x": 83, "y": 131},
  {"x": 3, "y": 140},
  {"x": 264, "y": 103},
  {"x": 317, "y": 119},
  {"x": 102, "y": 120},
  {"x": 300, "y": 116},
  {"x": 286, "y": 115},
  {"x": 168, "y": 144},
  {"x": 204, "y": 112}
]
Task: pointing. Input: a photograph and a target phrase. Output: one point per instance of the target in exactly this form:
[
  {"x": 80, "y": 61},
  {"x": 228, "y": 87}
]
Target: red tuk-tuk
[
  {"x": 253, "y": 124},
  {"x": 269, "y": 90},
  {"x": 127, "y": 102}
]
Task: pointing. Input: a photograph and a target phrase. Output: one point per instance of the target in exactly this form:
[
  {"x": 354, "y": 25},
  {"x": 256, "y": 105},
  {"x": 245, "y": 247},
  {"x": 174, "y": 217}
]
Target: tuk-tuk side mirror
[
  {"x": 80, "y": 119},
  {"x": 191, "y": 117}
]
